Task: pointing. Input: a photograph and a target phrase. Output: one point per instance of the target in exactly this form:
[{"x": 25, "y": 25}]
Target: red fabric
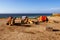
[{"x": 43, "y": 18}]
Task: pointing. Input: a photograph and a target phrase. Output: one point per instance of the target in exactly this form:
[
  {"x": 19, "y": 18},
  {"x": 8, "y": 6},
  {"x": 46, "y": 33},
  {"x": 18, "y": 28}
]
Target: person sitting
[
  {"x": 24, "y": 19},
  {"x": 43, "y": 19},
  {"x": 9, "y": 20},
  {"x": 47, "y": 19},
  {"x": 40, "y": 19},
  {"x": 13, "y": 21}
]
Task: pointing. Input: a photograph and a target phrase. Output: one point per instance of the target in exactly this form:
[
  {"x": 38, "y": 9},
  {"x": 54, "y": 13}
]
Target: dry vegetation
[{"x": 56, "y": 14}]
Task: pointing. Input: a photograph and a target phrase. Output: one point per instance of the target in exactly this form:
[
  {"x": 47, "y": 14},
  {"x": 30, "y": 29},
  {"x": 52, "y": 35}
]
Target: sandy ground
[{"x": 35, "y": 32}]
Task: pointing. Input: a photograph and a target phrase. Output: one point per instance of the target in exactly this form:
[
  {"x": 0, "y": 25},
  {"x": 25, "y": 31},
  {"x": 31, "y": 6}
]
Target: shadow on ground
[
  {"x": 55, "y": 30},
  {"x": 19, "y": 24}
]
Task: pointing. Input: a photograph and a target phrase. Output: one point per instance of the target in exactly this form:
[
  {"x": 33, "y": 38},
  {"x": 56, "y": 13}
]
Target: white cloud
[{"x": 55, "y": 9}]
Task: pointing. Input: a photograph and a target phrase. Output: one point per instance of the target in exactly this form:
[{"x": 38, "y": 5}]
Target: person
[
  {"x": 9, "y": 20},
  {"x": 23, "y": 20},
  {"x": 40, "y": 19},
  {"x": 26, "y": 20},
  {"x": 23, "y": 17},
  {"x": 13, "y": 21},
  {"x": 43, "y": 19},
  {"x": 47, "y": 19}
]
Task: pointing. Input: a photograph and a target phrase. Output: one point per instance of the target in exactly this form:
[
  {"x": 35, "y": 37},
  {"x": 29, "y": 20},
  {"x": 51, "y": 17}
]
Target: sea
[{"x": 30, "y": 15}]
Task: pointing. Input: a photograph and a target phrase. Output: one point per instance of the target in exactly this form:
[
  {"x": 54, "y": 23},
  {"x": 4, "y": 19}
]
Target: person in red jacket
[{"x": 42, "y": 19}]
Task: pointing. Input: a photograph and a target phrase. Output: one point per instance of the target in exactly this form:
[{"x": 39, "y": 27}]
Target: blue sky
[{"x": 29, "y": 6}]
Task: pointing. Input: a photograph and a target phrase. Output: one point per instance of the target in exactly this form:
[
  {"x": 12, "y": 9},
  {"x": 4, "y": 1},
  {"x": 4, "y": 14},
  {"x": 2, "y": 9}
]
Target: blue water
[{"x": 22, "y": 14}]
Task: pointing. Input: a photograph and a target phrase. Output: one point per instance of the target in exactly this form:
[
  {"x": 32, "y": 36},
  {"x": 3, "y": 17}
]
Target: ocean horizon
[{"x": 24, "y": 14}]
